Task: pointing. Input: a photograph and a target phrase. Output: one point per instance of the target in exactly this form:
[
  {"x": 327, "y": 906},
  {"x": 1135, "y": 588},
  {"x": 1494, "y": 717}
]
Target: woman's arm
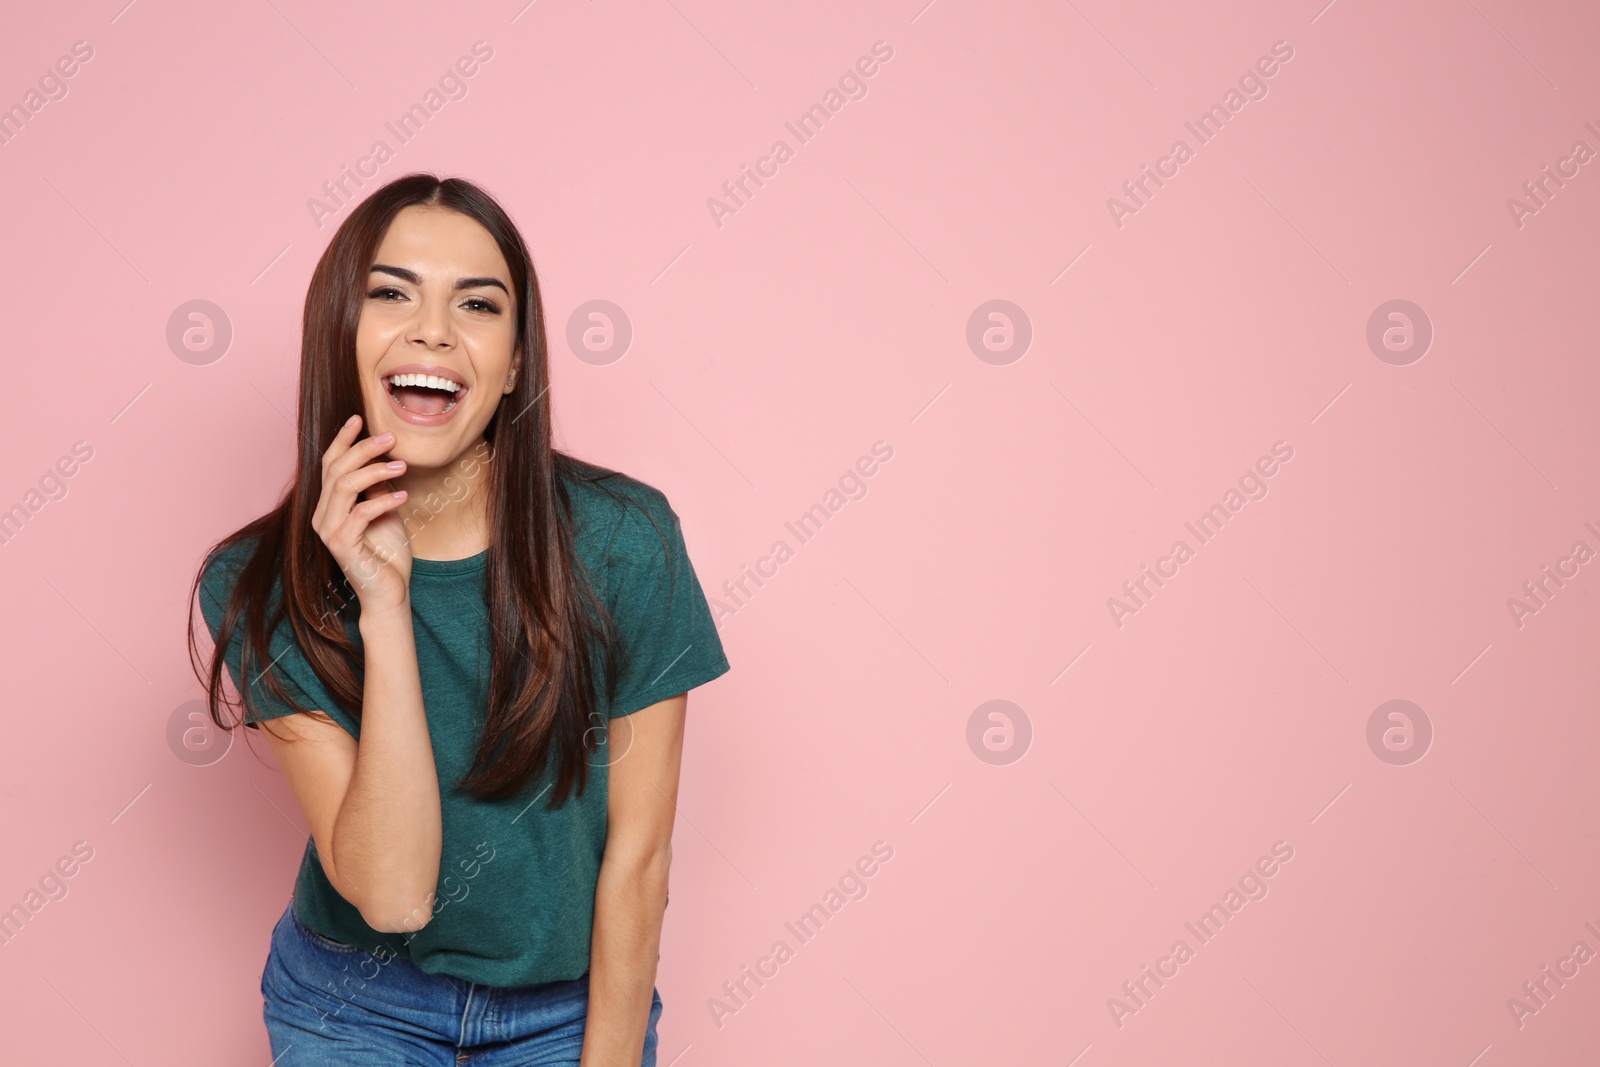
[
  {"x": 388, "y": 835},
  {"x": 631, "y": 896},
  {"x": 373, "y": 806}
]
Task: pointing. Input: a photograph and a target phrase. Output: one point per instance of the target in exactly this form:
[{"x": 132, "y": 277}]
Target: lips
[{"x": 424, "y": 394}]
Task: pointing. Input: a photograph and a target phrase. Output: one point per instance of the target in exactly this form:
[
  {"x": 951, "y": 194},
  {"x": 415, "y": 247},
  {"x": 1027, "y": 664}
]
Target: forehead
[{"x": 434, "y": 240}]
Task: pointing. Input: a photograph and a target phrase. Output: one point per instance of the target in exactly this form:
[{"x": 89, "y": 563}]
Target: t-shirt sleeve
[
  {"x": 284, "y": 659},
  {"x": 660, "y": 612}
]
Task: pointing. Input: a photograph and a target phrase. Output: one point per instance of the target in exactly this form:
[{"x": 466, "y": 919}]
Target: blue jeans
[{"x": 327, "y": 1003}]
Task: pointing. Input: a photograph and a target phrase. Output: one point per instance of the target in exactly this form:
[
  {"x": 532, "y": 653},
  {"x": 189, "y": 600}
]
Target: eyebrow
[{"x": 461, "y": 283}]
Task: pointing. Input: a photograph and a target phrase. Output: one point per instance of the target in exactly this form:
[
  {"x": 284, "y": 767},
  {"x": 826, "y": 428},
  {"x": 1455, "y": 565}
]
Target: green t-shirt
[{"x": 515, "y": 898}]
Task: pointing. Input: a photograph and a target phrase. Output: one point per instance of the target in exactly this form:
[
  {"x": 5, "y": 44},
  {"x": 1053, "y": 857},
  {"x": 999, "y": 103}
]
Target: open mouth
[{"x": 424, "y": 394}]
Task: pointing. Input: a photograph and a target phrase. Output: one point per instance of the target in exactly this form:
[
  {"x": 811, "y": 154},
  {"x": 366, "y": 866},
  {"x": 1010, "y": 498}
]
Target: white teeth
[{"x": 427, "y": 380}]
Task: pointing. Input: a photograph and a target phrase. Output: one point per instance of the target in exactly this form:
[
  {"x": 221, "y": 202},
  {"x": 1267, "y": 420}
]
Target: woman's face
[{"x": 438, "y": 305}]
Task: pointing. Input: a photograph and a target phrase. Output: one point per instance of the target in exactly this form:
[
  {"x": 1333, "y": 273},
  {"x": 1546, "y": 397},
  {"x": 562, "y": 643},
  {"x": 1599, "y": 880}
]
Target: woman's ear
[{"x": 511, "y": 375}]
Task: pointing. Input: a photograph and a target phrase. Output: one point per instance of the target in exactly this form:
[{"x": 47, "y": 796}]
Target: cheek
[
  {"x": 497, "y": 336},
  {"x": 379, "y": 327},
  {"x": 490, "y": 349},
  {"x": 372, "y": 340},
  {"x": 366, "y": 357}
]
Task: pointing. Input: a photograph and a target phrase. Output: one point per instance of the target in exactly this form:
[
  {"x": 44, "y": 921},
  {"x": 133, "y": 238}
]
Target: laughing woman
[{"x": 475, "y": 651}]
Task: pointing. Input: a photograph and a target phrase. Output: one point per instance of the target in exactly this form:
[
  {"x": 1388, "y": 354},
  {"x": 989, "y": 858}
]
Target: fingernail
[
  {"x": 386, "y": 436},
  {"x": 396, "y": 465}
]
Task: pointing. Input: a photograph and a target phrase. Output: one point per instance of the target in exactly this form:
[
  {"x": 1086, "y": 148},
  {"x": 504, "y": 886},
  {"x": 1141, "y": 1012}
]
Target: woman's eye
[{"x": 383, "y": 293}]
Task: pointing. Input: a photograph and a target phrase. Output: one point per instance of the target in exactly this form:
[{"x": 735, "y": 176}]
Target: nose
[{"x": 431, "y": 327}]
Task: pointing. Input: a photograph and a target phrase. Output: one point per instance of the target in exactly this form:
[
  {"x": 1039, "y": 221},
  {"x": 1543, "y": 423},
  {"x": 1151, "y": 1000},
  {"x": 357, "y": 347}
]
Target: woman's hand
[{"x": 367, "y": 539}]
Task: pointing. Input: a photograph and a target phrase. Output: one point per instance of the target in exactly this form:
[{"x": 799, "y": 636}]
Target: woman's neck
[{"x": 446, "y": 509}]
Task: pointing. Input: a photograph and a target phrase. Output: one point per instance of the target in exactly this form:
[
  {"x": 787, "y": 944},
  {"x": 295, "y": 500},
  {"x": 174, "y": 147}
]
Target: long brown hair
[{"x": 545, "y": 620}]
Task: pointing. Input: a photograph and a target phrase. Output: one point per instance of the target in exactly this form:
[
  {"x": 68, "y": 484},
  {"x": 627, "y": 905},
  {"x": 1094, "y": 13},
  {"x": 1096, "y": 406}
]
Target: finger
[
  {"x": 341, "y": 440},
  {"x": 368, "y": 510},
  {"x": 360, "y": 454},
  {"x": 345, "y": 457},
  {"x": 333, "y": 463},
  {"x": 336, "y": 448},
  {"x": 374, "y": 474},
  {"x": 354, "y": 528},
  {"x": 345, "y": 490},
  {"x": 354, "y": 456}
]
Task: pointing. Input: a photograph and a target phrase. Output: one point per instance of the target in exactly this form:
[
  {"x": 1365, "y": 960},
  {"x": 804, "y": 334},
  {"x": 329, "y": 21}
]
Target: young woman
[{"x": 475, "y": 651}]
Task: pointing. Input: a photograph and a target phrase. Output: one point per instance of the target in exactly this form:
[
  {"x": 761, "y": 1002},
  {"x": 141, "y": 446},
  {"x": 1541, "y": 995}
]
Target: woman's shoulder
[
  {"x": 219, "y": 574},
  {"x": 222, "y": 566},
  {"x": 615, "y": 513},
  {"x": 228, "y": 556}
]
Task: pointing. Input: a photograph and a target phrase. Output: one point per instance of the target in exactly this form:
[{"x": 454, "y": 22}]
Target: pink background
[{"x": 831, "y": 311}]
